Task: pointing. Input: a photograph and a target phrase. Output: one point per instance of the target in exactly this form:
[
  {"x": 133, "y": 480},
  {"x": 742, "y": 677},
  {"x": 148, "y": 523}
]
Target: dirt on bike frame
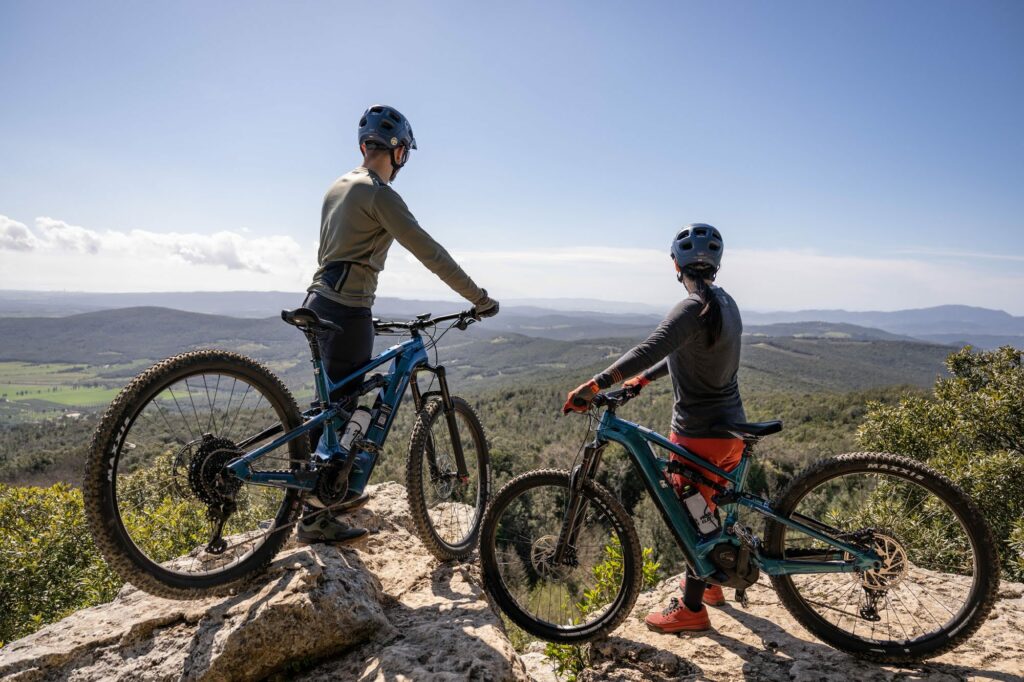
[
  {"x": 653, "y": 470},
  {"x": 407, "y": 359}
]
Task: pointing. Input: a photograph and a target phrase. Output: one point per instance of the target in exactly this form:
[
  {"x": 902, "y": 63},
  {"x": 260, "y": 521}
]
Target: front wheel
[
  {"x": 939, "y": 572},
  {"x": 576, "y": 597},
  {"x": 447, "y": 508}
]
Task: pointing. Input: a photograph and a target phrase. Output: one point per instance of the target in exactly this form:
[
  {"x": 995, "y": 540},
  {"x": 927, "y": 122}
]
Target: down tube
[
  {"x": 398, "y": 381},
  {"x": 663, "y": 495}
]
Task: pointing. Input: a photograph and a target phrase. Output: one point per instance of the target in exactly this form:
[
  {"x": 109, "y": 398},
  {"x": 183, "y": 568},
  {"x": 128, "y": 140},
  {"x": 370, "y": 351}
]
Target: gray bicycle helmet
[
  {"x": 384, "y": 127},
  {"x": 698, "y": 244}
]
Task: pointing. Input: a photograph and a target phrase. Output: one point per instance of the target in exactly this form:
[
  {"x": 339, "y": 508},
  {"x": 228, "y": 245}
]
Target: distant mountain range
[
  {"x": 568, "y": 319},
  {"x": 120, "y": 341}
]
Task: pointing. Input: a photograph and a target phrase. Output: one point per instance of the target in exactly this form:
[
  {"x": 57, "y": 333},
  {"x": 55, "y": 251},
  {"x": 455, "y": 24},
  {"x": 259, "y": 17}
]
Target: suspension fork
[
  {"x": 576, "y": 510},
  {"x": 449, "y": 414}
]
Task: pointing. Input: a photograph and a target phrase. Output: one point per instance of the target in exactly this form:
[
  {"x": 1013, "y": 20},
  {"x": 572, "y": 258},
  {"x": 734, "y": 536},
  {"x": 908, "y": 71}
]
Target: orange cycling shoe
[
  {"x": 713, "y": 595},
  {"x": 677, "y": 618}
]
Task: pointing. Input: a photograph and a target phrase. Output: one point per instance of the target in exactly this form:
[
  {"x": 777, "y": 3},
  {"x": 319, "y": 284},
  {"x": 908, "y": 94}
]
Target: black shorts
[{"x": 345, "y": 352}]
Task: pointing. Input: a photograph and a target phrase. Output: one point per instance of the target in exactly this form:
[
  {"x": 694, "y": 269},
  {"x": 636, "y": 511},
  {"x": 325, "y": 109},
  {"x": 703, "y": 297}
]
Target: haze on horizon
[{"x": 866, "y": 157}]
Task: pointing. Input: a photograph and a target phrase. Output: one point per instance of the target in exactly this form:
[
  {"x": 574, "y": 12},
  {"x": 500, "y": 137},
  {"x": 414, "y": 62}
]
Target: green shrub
[
  {"x": 972, "y": 430},
  {"x": 49, "y": 566}
]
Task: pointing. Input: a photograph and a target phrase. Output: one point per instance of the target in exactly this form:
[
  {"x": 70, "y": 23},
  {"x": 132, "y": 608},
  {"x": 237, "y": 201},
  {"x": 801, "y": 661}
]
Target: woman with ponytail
[{"x": 698, "y": 346}]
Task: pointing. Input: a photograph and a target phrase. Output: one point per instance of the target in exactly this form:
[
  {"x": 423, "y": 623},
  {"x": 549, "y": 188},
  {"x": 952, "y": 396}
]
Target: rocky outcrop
[
  {"x": 763, "y": 642},
  {"x": 386, "y": 610},
  {"x": 381, "y": 610}
]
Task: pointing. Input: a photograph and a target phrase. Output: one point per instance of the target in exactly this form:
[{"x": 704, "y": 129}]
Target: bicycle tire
[
  {"x": 106, "y": 526},
  {"x": 432, "y": 410},
  {"x": 971, "y": 615},
  {"x": 631, "y": 559}
]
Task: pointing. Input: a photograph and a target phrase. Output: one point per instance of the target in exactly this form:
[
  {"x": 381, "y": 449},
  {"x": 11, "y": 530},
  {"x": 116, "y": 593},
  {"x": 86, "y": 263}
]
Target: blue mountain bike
[
  {"x": 202, "y": 464},
  {"x": 875, "y": 554}
]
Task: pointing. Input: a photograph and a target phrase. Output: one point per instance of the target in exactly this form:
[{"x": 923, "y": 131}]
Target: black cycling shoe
[{"x": 325, "y": 528}]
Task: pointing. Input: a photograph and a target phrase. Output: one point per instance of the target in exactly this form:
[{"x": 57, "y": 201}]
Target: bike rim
[
  {"x": 929, "y": 566},
  {"x": 576, "y": 592},
  {"x": 454, "y": 506},
  {"x": 168, "y": 472}
]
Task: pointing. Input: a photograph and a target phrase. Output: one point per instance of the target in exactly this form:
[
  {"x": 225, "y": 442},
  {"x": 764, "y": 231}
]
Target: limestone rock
[
  {"x": 763, "y": 642},
  {"x": 380, "y": 609}
]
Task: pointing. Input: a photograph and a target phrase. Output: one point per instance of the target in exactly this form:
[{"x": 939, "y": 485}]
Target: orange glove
[
  {"x": 636, "y": 383},
  {"x": 580, "y": 397}
]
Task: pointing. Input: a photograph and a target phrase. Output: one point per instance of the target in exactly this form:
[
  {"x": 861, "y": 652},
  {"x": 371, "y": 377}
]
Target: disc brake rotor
[
  {"x": 542, "y": 555},
  {"x": 894, "y": 564}
]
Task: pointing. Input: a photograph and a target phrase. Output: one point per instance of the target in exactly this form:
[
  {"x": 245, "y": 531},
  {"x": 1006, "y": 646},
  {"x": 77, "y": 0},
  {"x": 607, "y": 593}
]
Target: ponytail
[{"x": 711, "y": 313}]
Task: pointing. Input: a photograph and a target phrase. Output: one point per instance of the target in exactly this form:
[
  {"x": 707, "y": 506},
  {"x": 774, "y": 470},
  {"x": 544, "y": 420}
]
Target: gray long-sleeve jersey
[
  {"x": 703, "y": 376},
  {"x": 361, "y": 217}
]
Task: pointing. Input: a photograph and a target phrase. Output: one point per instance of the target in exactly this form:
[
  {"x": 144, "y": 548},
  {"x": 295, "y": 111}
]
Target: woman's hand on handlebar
[
  {"x": 580, "y": 397},
  {"x": 634, "y": 384}
]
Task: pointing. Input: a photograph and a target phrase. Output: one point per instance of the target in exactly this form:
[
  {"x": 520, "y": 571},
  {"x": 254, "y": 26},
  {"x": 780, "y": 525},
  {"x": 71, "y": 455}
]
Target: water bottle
[
  {"x": 703, "y": 517},
  {"x": 355, "y": 429}
]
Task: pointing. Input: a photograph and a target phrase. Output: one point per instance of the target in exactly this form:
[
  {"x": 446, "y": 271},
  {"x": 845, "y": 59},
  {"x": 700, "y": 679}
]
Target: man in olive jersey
[{"x": 361, "y": 217}]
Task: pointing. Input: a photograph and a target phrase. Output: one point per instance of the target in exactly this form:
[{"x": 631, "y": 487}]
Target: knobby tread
[
  {"x": 104, "y": 443},
  {"x": 631, "y": 553},
  {"x": 970, "y": 515},
  {"x": 433, "y": 409}
]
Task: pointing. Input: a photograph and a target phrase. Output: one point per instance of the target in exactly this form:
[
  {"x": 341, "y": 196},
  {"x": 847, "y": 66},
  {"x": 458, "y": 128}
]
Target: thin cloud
[
  {"x": 15, "y": 236},
  {"x": 56, "y": 255},
  {"x": 961, "y": 255},
  {"x": 228, "y": 250}
]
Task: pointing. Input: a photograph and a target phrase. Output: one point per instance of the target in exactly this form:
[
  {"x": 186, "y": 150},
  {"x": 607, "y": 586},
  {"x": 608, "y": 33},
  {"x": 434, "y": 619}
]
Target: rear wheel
[
  {"x": 446, "y": 509},
  {"x": 939, "y": 573},
  {"x": 589, "y": 591},
  {"x": 163, "y": 509}
]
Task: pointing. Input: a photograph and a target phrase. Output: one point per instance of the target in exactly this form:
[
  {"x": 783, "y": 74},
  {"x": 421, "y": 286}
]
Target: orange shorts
[{"x": 725, "y": 453}]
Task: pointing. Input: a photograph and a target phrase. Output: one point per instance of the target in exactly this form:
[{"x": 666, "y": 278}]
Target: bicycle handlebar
[
  {"x": 465, "y": 318},
  {"x": 614, "y": 399}
]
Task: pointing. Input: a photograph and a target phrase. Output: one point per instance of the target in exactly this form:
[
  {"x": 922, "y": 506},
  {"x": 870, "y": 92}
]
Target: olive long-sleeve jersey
[
  {"x": 703, "y": 375},
  {"x": 362, "y": 215}
]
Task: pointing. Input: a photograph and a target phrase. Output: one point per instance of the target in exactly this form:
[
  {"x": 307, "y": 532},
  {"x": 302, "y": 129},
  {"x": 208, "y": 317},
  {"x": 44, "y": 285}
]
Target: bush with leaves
[
  {"x": 570, "y": 659},
  {"x": 972, "y": 430},
  {"x": 49, "y": 566}
]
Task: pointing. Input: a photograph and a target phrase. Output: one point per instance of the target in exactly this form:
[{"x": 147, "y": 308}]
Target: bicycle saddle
[
  {"x": 750, "y": 431},
  {"x": 307, "y": 320}
]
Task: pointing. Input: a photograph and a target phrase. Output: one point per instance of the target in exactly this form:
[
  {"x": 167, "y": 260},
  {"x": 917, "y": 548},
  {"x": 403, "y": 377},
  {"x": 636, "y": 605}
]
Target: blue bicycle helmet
[
  {"x": 698, "y": 244},
  {"x": 384, "y": 127}
]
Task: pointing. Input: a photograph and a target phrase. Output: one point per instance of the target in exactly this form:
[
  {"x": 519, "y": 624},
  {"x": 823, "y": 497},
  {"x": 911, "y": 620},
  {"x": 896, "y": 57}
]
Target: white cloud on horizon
[{"x": 56, "y": 255}]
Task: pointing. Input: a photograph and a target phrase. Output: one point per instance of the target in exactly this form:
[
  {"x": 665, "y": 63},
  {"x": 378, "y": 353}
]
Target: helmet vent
[
  {"x": 387, "y": 125},
  {"x": 377, "y": 109},
  {"x": 683, "y": 235},
  {"x": 687, "y": 246},
  {"x": 714, "y": 246}
]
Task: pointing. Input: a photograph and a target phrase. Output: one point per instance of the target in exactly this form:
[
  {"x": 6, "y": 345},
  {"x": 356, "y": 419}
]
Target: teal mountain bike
[
  {"x": 201, "y": 466},
  {"x": 875, "y": 554}
]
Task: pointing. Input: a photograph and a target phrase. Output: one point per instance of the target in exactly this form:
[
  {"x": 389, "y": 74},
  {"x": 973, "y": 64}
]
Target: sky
[{"x": 859, "y": 155}]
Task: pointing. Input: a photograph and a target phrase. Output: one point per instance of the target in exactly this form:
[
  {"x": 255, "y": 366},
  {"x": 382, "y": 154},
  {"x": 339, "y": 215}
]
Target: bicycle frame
[
  {"x": 637, "y": 441},
  {"x": 407, "y": 358}
]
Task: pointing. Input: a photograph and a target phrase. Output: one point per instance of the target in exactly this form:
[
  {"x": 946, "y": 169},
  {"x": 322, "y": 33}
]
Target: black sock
[{"x": 693, "y": 595}]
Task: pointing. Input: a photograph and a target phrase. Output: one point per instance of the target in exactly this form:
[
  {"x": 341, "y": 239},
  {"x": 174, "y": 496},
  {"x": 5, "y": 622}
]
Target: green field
[{"x": 30, "y": 387}]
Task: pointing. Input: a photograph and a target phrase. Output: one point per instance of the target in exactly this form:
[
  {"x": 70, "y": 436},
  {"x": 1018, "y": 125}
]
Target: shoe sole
[{"x": 673, "y": 631}]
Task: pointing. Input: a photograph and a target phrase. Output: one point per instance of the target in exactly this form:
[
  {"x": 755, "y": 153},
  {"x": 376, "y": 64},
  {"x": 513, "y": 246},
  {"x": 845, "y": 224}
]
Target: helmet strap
[{"x": 395, "y": 166}]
